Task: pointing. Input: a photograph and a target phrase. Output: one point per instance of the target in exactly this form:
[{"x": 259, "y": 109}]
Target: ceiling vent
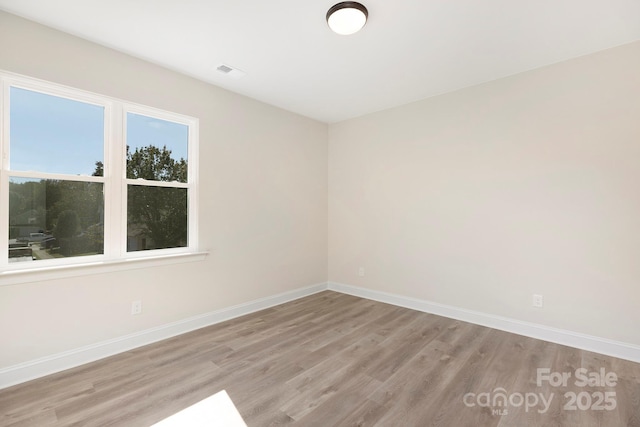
[{"x": 230, "y": 71}]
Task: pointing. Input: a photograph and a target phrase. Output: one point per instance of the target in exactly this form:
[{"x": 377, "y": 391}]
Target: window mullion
[
  {"x": 4, "y": 177},
  {"x": 4, "y": 217},
  {"x": 192, "y": 179},
  {"x": 114, "y": 149}
]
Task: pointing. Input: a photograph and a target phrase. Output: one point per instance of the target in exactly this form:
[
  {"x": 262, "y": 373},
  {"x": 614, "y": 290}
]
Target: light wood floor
[{"x": 333, "y": 360}]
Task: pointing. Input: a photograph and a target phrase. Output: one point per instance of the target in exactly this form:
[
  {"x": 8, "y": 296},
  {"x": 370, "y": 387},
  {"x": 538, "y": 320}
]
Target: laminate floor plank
[
  {"x": 424, "y": 399},
  {"x": 404, "y": 347},
  {"x": 329, "y": 343},
  {"x": 114, "y": 402},
  {"x": 23, "y": 405},
  {"x": 539, "y": 354},
  {"x": 494, "y": 384},
  {"x": 448, "y": 408},
  {"x": 366, "y": 413},
  {"x": 332, "y": 359},
  {"x": 347, "y": 395},
  {"x": 327, "y": 379},
  {"x": 40, "y": 418}
]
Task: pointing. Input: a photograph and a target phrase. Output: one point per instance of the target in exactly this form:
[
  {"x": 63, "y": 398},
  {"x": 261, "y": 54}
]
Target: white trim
[
  {"x": 33, "y": 369},
  {"x": 148, "y": 183},
  {"x": 55, "y": 363},
  {"x": 100, "y": 266},
  {"x": 559, "y": 336},
  {"x": 4, "y": 165}
]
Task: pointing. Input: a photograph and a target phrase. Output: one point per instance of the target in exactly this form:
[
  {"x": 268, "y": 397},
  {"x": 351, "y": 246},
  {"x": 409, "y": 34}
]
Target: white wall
[
  {"x": 477, "y": 199},
  {"x": 263, "y": 205}
]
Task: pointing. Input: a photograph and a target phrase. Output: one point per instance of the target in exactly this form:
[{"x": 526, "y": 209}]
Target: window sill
[{"x": 14, "y": 277}]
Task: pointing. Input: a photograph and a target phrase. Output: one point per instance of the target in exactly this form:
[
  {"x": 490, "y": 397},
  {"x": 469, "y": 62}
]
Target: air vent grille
[
  {"x": 230, "y": 71},
  {"x": 224, "y": 69}
]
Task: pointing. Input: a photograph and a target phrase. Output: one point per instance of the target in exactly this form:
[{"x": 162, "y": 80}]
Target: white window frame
[{"x": 114, "y": 180}]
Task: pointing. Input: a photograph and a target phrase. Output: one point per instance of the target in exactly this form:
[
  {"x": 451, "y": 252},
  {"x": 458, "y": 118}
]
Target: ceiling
[{"x": 408, "y": 50}]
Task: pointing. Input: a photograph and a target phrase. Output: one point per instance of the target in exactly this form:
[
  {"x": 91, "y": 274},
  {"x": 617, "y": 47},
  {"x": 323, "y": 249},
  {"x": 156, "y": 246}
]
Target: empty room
[{"x": 319, "y": 213}]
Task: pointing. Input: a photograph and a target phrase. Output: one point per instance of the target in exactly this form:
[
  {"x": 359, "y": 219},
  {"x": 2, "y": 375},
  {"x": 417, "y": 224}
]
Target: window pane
[
  {"x": 156, "y": 149},
  {"x": 54, "y": 219},
  {"x": 53, "y": 134},
  {"x": 156, "y": 218}
]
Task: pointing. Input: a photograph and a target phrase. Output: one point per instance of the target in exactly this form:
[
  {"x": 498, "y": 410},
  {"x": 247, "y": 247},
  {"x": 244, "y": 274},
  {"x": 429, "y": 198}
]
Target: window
[
  {"x": 86, "y": 178},
  {"x": 157, "y": 199}
]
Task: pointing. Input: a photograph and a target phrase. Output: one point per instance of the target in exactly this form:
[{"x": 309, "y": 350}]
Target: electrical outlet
[
  {"x": 361, "y": 272},
  {"x": 537, "y": 301},
  {"x": 136, "y": 308}
]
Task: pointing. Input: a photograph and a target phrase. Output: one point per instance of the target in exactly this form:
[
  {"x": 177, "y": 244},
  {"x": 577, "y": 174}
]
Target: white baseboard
[
  {"x": 559, "y": 336},
  {"x": 37, "y": 368},
  {"x": 58, "y": 362}
]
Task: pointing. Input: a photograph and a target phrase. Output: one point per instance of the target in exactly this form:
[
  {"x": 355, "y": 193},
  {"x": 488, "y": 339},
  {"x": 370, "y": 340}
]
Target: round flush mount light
[{"x": 347, "y": 17}]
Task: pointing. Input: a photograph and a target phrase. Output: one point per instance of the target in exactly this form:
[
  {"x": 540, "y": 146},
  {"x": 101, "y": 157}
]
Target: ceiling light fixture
[{"x": 347, "y": 17}]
